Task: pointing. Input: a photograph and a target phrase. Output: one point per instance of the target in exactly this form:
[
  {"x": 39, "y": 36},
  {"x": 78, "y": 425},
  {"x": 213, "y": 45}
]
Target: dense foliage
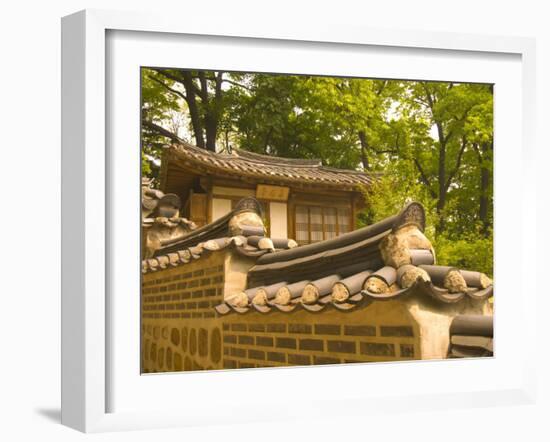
[{"x": 429, "y": 141}]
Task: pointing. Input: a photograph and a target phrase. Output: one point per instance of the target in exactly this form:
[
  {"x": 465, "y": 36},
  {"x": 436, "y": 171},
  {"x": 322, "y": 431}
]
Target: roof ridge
[
  {"x": 258, "y": 157},
  {"x": 273, "y": 168},
  {"x": 252, "y": 156}
]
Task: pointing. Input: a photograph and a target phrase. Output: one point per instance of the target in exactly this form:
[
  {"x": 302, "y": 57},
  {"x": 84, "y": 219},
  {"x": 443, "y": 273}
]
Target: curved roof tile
[
  {"x": 255, "y": 165},
  {"x": 361, "y": 298}
]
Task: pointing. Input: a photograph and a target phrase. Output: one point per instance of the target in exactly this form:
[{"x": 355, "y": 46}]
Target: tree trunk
[
  {"x": 211, "y": 127},
  {"x": 441, "y": 178},
  {"x": 364, "y": 149},
  {"x": 194, "y": 112},
  {"x": 484, "y": 191},
  {"x": 211, "y": 105}
]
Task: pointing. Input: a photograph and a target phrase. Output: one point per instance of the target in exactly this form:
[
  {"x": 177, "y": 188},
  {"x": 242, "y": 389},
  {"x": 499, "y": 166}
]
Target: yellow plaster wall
[{"x": 434, "y": 319}]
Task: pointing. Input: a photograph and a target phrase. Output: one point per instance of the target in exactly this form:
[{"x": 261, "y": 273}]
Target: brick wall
[
  {"x": 379, "y": 332},
  {"x": 182, "y": 332}
]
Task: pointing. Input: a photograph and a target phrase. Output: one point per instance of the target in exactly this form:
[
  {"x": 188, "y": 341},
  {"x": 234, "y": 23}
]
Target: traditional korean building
[
  {"x": 300, "y": 199},
  {"x": 230, "y": 294}
]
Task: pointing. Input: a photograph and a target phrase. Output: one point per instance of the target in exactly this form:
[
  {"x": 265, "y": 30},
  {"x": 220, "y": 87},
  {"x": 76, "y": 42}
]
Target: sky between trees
[{"x": 431, "y": 141}]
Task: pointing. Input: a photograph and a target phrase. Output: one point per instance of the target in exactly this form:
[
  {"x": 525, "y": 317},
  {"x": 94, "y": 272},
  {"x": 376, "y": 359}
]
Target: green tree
[
  {"x": 430, "y": 141},
  {"x": 452, "y": 110},
  {"x": 156, "y": 110}
]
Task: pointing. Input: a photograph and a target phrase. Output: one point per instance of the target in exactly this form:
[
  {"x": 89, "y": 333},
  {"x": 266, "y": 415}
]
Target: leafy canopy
[{"x": 430, "y": 141}]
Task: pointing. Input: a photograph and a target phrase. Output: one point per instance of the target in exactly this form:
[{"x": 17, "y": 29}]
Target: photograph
[{"x": 303, "y": 220}]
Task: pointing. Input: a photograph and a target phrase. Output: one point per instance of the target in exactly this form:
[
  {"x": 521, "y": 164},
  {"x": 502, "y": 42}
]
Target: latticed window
[
  {"x": 330, "y": 215},
  {"x": 344, "y": 220},
  {"x": 302, "y": 225},
  {"x": 316, "y": 223}
]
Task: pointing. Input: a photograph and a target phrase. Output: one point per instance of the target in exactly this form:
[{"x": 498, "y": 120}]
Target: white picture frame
[{"x": 87, "y": 310}]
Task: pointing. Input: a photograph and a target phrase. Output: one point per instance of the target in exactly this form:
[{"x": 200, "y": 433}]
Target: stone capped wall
[{"x": 182, "y": 332}]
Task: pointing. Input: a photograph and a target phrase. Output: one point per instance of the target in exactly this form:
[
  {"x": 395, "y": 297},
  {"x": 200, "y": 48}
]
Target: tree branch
[
  {"x": 235, "y": 83},
  {"x": 177, "y": 79},
  {"x": 447, "y": 137},
  {"x": 218, "y": 88},
  {"x": 429, "y": 98},
  {"x": 227, "y": 80},
  {"x": 424, "y": 178},
  {"x": 160, "y": 130},
  {"x": 380, "y": 151},
  {"x": 174, "y": 91},
  {"x": 475, "y": 146},
  {"x": 458, "y": 163},
  {"x": 382, "y": 87},
  {"x": 421, "y": 102},
  {"x": 203, "y": 91}
]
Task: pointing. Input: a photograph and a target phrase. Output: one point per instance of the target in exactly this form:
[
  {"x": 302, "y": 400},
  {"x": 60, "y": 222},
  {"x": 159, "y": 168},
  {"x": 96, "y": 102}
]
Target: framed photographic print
[
  {"x": 249, "y": 213},
  {"x": 293, "y": 260}
]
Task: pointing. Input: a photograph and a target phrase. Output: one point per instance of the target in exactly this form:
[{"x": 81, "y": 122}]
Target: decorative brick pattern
[
  {"x": 327, "y": 329},
  {"x": 216, "y": 346},
  {"x": 193, "y": 342},
  {"x": 276, "y": 328},
  {"x": 322, "y": 360},
  {"x": 238, "y": 327},
  {"x": 273, "y": 343},
  {"x": 256, "y": 327},
  {"x": 237, "y": 352},
  {"x": 193, "y": 295},
  {"x": 256, "y": 354},
  {"x": 182, "y": 331},
  {"x": 406, "y": 350},
  {"x": 396, "y": 331},
  {"x": 311, "y": 344},
  {"x": 299, "y": 328},
  {"x": 341, "y": 346},
  {"x": 377, "y": 349},
  {"x": 359, "y": 330},
  {"x": 285, "y": 342},
  {"x": 229, "y": 363},
  {"x": 203, "y": 342},
  {"x": 247, "y": 340},
  {"x": 230, "y": 339},
  {"x": 276, "y": 356},
  {"x": 175, "y": 336},
  {"x": 294, "y": 359},
  {"x": 264, "y": 341}
]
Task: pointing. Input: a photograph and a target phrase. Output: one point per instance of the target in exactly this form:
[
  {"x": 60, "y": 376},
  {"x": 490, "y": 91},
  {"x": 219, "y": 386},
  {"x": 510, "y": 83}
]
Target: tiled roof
[
  {"x": 328, "y": 288},
  {"x": 349, "y": 271},
  {"x": 471, "y": 336},
  {"x": 267, "y": 168},
  {"x": 339, "y": 255},
  {"x": 251, "y": 246},
  {"x": 216, "y": 230}
]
